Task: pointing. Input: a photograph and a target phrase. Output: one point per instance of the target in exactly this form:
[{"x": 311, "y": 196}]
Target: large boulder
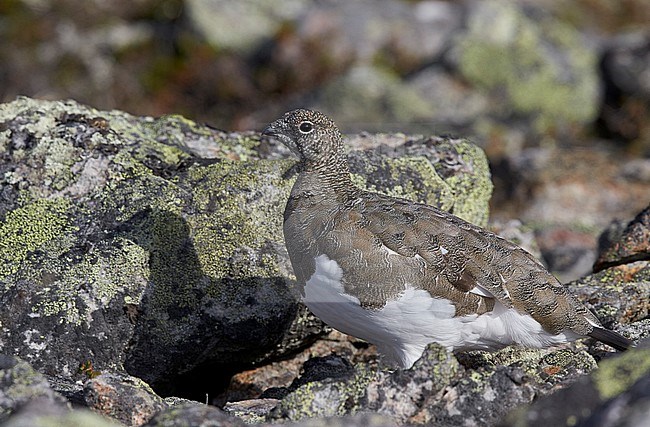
[{"x": 155, "y": 246}]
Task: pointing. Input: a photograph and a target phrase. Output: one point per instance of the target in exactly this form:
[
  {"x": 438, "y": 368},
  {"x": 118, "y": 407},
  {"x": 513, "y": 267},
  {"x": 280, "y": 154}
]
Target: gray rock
[
  {"x": 251, "y": 411},
  {"x": 241, "y": 26},
  {"x": 116, "y": 237},
  {"x": 47, "y": 414},
  {"x": 618, "y": 294},
  {"x": 453, "y": 105},
  {"x": 27, "y": 400},
  {"x": 628, "y": 409},
  {"x": 367, "y": 95},
  {"x": 366, "y": 419}
]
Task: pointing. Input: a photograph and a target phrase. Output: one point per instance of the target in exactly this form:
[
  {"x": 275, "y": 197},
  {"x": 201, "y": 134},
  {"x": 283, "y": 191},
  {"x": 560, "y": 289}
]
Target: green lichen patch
[
  {"x": 472, "y": 191},
  {"x": 548, "y": 366},
  {"x": 616, "y": 375},
  {"x": 59, "y": 157},
  {"x": 450, "y": 174},
  {"x": 412, "y": 178},
  {"x": 560, "y": 364},
  {"x": 161, "y": 159},
  {"x": 73, "y": 289},
  {"x": 426, "y": 183},
  {"x": 30, "y": 227}
]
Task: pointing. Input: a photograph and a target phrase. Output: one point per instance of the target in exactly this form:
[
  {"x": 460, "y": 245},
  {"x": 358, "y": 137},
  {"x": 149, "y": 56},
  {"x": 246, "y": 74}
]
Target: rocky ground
[{"x": 144, "y": 275}]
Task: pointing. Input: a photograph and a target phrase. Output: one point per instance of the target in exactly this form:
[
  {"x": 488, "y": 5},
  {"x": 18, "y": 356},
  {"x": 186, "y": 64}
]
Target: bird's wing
[{"x": 473, "y": 261}]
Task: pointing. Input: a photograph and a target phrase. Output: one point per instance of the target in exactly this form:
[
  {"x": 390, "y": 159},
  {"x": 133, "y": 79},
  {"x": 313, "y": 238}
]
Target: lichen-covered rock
[
  {"x": 365, "y": 419},
  {"x": 618, "y": 294},
  {"x": 442, "y": 389},
  {"x": 445, "y": 172},
  {"x": 616, "y": 394},
  {"x": 251, "y": 411},
  {"x": 119, "y": 248},
  {"x": 155, "y": 245},
  {"x": 46, "y": 414},
  {"x": 26, "y": 399}
]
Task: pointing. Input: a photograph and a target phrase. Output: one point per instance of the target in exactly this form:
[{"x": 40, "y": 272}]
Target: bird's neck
[{"x": 327, "y": 180}]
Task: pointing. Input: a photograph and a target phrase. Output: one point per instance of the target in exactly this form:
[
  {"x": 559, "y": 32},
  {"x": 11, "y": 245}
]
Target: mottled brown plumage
[{"x": 384, "y": 245}]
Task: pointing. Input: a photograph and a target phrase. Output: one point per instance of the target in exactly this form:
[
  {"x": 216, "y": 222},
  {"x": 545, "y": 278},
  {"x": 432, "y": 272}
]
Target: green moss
[
  {"x": 617, "y": 374},
  {"x": 28, "y": 228}
]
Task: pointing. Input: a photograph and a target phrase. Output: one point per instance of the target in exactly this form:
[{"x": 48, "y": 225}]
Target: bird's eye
[{"x": 306, "y": 127}]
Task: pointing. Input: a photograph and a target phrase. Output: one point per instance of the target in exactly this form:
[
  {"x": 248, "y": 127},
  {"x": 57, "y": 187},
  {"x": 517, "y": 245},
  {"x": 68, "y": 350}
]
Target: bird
[{"x": 401, "y": 274}]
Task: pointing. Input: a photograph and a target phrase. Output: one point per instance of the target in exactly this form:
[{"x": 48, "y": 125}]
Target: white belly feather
[{"x": 403, "y": 327}]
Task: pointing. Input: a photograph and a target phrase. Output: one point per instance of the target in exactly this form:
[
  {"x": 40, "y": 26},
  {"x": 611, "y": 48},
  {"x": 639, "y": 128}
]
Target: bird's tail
[{"x": 611, "y": 338}]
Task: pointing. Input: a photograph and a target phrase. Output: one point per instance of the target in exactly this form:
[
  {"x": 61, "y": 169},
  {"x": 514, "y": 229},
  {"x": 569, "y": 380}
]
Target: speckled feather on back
[{"x": 385, "y": 245}]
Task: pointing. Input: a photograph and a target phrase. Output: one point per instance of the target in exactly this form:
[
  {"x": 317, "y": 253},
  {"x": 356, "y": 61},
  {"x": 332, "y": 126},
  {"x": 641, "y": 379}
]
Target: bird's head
[{"x": 309, "y": 134}]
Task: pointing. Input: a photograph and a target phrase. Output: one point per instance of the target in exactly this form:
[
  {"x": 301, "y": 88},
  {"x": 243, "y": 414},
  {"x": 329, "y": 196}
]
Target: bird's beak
[{"x": 270, "y": 130}]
